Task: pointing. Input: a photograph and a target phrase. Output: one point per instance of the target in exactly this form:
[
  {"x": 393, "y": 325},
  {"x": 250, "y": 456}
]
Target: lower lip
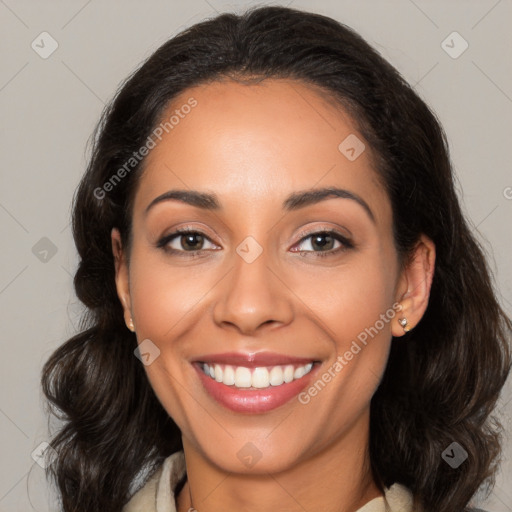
[{"x": 253, "y": 400}]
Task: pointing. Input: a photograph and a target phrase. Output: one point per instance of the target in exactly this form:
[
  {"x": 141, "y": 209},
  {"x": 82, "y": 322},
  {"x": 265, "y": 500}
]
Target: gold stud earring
[{"x": 403, "y": 323}]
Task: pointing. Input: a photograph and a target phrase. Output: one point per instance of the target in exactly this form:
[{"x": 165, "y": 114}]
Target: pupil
[
  {"x": 319, "y": 237},
  {"x": 190, "y": 238}
]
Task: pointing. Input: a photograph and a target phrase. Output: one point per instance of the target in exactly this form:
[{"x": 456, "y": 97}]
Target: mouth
[{"x": 254, "y": 383}]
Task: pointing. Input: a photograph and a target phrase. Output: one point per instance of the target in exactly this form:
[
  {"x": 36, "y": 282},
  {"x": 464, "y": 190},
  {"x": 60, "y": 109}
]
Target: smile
[{"x": 254, "y": 383}]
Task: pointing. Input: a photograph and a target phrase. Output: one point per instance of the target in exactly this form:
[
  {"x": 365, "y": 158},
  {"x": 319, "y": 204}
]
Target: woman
[{"x": 286, "y": 307}]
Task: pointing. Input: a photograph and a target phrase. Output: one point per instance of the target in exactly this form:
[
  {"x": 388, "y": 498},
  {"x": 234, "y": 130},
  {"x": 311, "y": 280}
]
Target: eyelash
[{"x": 346, "y": 243}]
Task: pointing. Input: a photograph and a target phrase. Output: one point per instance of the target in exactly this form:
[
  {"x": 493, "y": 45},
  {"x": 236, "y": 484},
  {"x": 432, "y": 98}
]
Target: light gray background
[{"x": 49, "y": 108}]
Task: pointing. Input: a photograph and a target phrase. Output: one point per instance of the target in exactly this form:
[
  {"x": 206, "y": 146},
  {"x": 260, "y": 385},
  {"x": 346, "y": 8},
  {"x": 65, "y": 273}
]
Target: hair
[{"x": 443, "y": 378}]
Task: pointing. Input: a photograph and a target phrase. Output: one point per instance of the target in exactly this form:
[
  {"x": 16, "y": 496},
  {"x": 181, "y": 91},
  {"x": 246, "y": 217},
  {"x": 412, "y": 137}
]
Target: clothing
[{"x": 157, "y": 494}]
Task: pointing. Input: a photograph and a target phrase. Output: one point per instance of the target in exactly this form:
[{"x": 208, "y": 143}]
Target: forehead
[{"x": 252, "y": 145}]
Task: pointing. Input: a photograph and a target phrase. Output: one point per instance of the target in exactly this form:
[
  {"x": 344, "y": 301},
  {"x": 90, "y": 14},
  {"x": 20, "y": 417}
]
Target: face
[{"x": 273, "y": 292}]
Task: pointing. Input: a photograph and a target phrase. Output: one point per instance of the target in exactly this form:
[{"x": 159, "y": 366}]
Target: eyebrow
[{"x": 293, "y": 202}]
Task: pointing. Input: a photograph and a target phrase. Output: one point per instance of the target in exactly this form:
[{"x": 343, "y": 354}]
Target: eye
[
  {"x": 324, "y": 241},
  {"x": 184, "y": 240}
]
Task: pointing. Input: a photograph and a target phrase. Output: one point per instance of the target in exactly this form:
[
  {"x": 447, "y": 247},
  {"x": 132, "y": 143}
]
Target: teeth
[
  {"x": 261, "y": 377},
  {"x": 299, "y": 372},
  {"x": 228, "y": 377},
  {"x": 276, "y": 376},
  {"x": 288, "y": 373},
  {"x": 242, "y": 377}
]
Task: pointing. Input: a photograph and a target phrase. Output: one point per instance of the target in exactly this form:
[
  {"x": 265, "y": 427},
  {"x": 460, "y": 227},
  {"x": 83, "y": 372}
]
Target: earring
[
  {"x": 131, "y": 326},
  {"x": 403, "y": 323}
]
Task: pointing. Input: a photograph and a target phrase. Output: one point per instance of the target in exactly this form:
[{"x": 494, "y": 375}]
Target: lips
[{"x": 256, "y": 382}]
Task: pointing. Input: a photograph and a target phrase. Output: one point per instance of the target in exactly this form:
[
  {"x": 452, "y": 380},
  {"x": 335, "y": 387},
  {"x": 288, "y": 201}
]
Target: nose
[{"x": 253, "y": 295}]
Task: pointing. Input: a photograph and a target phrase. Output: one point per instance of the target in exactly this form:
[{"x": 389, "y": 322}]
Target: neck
[{"x": 336, "y": 479}]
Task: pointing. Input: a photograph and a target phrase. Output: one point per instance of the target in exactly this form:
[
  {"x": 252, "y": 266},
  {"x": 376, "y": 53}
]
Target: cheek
[
  {"x": 349, "y": 298},
  {"x": 355, "y": 308},
  {"x": 163, "y": 294},
  {"x": 163, "y": 298},
  {"x": 353, "y": 305}
]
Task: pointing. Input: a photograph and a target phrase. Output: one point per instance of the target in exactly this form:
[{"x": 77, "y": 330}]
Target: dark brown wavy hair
[{"x": 443, "y": 378}]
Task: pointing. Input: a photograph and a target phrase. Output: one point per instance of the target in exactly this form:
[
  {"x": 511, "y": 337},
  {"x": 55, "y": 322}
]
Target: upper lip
[{"x": 253, "y": 360}]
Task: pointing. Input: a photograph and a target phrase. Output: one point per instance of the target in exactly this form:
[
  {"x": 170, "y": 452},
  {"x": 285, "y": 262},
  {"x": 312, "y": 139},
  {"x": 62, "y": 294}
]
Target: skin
[{"x": 253, "y": 145}]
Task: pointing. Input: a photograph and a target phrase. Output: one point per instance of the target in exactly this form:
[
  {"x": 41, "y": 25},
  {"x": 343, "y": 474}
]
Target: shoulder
[
  {"x": 144, "y": 500},
  {"x": 396, "y": 498},
  {"x": 157, "y": 493},
  {"x": 399, "y": 498}
]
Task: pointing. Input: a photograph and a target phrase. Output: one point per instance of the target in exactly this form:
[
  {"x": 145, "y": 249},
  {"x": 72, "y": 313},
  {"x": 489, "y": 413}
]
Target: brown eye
[
  {"x": 192, "y": 241},
  {"x": 322, "y": 243},
  {"x": 185, "y": 240}
]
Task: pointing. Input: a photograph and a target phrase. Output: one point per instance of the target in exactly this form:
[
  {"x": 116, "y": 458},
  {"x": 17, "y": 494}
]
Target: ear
[
  {"x": 122, "y": 278},
  {"x": 413, "y": 290}
]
